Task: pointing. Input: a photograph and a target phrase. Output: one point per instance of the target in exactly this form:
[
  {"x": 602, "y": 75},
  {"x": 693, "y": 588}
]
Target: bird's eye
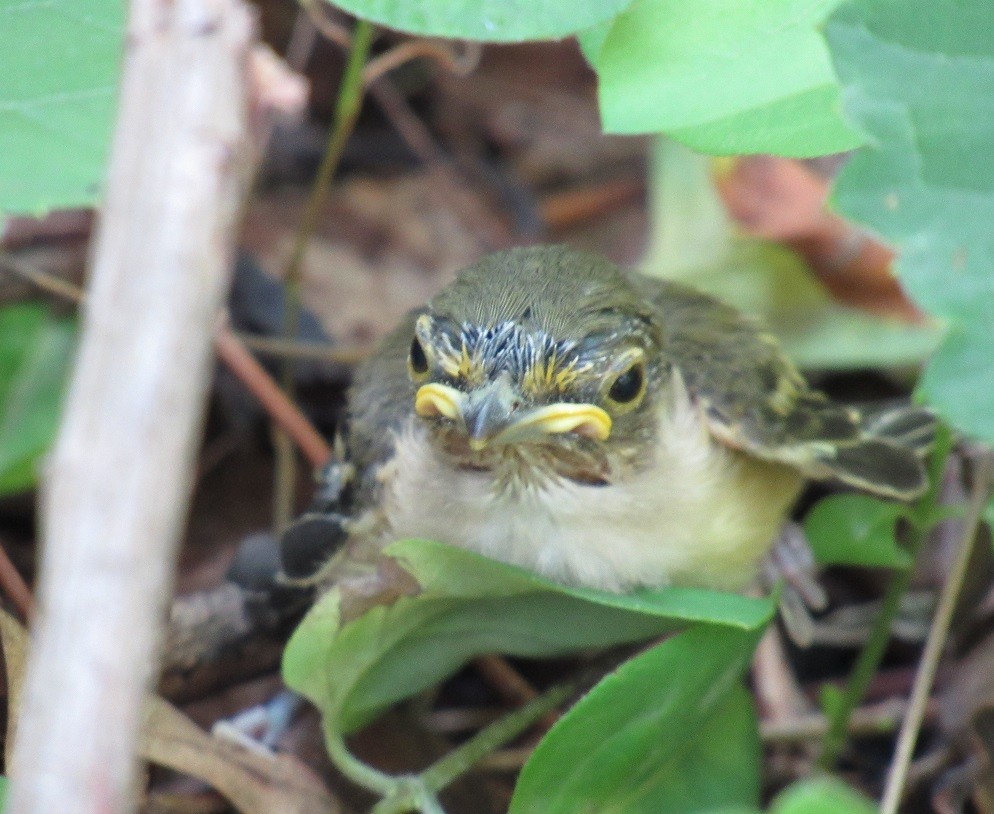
[
  {"x": 417, "y": 359},
  {"x": 629, "y": 385}
]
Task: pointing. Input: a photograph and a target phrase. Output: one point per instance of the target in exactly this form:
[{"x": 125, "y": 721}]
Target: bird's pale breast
[{"x": 698, "y": 514}]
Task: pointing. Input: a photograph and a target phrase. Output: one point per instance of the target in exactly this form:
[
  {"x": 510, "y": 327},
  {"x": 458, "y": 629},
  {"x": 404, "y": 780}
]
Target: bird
[{"x": 596, "y": 426}]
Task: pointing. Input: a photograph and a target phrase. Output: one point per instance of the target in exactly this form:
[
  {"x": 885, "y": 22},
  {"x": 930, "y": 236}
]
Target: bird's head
[{"x": 540, "y": 350}]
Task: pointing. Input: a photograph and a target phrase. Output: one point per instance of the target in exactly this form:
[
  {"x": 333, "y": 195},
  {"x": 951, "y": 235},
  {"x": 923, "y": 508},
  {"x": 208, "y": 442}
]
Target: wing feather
[{"x": 755, "y": 400}]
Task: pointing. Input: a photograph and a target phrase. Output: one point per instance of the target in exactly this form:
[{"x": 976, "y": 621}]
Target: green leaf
[
  {"x": 670, "y": 730},
  {"x": 469, "y": 606},
  {"x": 486, "y": 20},
  {"x": 592, "y": 40},
  {"x": 831, "y": 699},
  {"x": 821, "y": 795},
  {"x": 36, "y": 350},
  {"x": 855, "y": 530},
  {"x": 58, "y": 87},
  {"x": 722, "y": 77},
  {"x": 694, "y": 241},
  {"x": 4, "y": 785},
  {"x": 921, "y": 87}
]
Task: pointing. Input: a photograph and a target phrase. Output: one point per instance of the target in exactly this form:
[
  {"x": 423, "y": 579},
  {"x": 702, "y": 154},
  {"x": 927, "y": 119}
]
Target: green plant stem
[
  {"x": 355, "y": 770},
  {"x": 460, "y": 759},
  {"x": 921, "y": 517},
  {"x": 418, "y": 792},
  {"x": 936, "y": 641},
  {"x": 347, "y": 107}
]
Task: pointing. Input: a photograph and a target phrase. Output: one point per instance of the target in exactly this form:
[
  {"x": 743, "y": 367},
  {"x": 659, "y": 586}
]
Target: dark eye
[
  {"x": 419, "y": 362},
  {"x": 628, "y": 386}
]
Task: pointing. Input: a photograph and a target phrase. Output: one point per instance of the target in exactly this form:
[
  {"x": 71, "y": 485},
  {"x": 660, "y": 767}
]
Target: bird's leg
[{"x": 792, "y": 561}]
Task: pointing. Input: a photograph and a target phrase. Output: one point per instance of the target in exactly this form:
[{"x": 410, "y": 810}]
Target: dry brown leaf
[
  {"x": 255, "y": 782},
  {"x": 783, "y": 200},
  {"x": 14, "y": 639}
]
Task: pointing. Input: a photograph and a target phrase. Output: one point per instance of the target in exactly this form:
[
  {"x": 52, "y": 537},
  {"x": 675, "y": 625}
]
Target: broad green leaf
[
  {"x": 722, "y": 76},
  {"x": 821, "y": 795},
  {"x": 921, "y": 87},
  {"x": 58, "y": 87},
  {"x": 486, "y": 20},
  {"x": 670, "y": 730},
  {"x": 855, "y": 530},
  {"x": 694, "y": 241},
  {"x": 36, "y": 350},
  {"x": 468, "y": 606},
  {"x": 4, "y": 785}
]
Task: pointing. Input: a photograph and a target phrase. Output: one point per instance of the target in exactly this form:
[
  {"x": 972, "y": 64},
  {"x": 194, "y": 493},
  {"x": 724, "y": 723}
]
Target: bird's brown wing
[
  {"x": 753, "y": 399},
  {"x": 380, "y": 401}
]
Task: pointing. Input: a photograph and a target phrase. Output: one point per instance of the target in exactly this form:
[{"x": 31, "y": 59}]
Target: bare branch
[{"x": 119, "y": 479}]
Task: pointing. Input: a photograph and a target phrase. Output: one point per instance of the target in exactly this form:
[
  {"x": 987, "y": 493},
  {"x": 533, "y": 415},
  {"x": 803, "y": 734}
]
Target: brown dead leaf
[
  {"x": 783, "y": 200},
  {"x": 255, "y": 782},
  {"x": 14, "y": 639}
]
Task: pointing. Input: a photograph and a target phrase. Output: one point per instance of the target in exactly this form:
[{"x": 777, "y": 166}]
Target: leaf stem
[
  {"x": 460, "y": 759},
  {"x": 418, "y": 792},
  {"x": 921, "y": 516},
  {"x": 936, "y": 640},
  {"x": 362, "y": 774},
  {"x": 347, "y": 107}
]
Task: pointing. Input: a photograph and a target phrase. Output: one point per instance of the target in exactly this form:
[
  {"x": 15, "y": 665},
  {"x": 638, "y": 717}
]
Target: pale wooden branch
[{"x": 119, "y": 478}]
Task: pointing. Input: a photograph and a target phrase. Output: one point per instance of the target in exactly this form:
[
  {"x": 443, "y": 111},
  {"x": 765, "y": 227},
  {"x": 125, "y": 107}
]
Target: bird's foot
[{"x": 792, "y": 562}]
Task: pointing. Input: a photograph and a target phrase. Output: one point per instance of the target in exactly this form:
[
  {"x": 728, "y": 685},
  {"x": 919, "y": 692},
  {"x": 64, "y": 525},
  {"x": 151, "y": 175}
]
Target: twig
[
  {"x": 329, "y": 28},
  {"x": 460, "y": 65},
  {"x": 350, "y": 95},
  {"x": 303, "y": 38},
  {"x": 41, "y": 278},
  {"x": 118, "y": 479},
  {"x": 283, "y": 411},
  {"x": 870, "y": 656},
  {"x": 418, "y": 138},
  {"x": 776, "y": 687},
  {"x": 937, "y": 639},
  {"x": 561, "y": 210},
  {"x": 347, "y": 355},
  {"x": 231, "y": 350},
  {"x": 872, "y": 719},
  {"x": 14, "y": 586},
  {"x": 511, "y": 685}
]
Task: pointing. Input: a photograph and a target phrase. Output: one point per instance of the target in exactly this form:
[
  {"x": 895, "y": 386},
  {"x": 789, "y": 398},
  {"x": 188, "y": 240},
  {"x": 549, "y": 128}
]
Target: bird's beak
[{"x": 491, "y": 414}]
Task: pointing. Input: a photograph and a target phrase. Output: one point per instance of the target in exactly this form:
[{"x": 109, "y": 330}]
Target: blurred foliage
[
  {"x": 36, "y": 350},
  {"x": 821, "y": 795},
  {"x": 58, "y": 87},
  {"x": 724, "y": 78},
  {"x": 919, "y": 82},
  {"x": 695, "y": 241},
  {"x": 487, "y": 20},
  {"x": 856, "y": 530}
]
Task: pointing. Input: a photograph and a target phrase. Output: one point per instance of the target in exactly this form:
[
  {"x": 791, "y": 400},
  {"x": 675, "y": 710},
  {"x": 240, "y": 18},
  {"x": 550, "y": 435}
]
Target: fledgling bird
[{"x": 599, "y": 427}]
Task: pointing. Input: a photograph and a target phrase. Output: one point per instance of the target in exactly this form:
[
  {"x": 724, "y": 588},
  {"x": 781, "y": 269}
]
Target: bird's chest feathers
[{"x": 695, "y": 514}]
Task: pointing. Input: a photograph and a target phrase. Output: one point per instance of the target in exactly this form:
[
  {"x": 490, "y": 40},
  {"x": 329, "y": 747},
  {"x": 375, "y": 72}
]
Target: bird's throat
[{"x": 527, "y": 466}]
